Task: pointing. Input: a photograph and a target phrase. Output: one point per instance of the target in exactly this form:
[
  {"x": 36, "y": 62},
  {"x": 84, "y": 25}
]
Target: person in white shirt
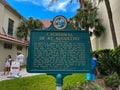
[{"x": 20, "y": 58}]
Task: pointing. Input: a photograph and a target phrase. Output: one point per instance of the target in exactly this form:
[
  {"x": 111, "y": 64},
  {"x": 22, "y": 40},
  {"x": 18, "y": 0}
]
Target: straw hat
[{"x": 19, "y": 52}]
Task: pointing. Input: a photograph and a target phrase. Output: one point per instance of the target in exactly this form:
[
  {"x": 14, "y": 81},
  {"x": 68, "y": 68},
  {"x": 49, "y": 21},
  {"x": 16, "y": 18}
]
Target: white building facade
[
  {"x": 9, "y": 43},
  {"x": 105, "y": 41}
]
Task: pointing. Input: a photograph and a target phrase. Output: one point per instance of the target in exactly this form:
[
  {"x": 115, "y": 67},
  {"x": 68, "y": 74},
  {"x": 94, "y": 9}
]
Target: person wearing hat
[{"x": 20, "y": 58}]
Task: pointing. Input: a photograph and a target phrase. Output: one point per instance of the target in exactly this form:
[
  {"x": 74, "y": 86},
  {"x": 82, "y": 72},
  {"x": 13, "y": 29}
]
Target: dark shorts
[{"x": 7, "y": 69}]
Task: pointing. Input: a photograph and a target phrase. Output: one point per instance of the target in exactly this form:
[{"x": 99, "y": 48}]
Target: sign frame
[{"x": 75, "y": 36}]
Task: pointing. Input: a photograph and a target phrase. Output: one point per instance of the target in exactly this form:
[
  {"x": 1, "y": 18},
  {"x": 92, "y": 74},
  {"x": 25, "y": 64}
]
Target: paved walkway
[{"x": 23, "y": 73}]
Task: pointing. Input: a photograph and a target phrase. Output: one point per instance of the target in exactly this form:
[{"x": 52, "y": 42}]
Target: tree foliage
[
  {"x": 87, "y": 18},
  {"x": 27, "y": 25}
]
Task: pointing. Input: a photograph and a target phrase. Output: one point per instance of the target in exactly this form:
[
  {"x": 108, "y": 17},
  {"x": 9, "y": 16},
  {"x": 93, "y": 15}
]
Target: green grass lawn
[{"x": 40, "y": 82}]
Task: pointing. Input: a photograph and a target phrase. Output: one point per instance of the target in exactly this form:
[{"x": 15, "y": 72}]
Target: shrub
[
  {"x": 105, "y": 60},
  {"x": 92, "y": 86},
  {"x": 95, "y": 86},
  {"x": 109, "y": 60},
  {"x": 112, "y": 80},
  {"x": 70, "y": 81}
]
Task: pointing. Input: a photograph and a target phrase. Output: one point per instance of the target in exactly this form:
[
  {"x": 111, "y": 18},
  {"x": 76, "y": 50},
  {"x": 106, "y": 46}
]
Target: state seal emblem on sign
[{"x": 60, "y": 22}]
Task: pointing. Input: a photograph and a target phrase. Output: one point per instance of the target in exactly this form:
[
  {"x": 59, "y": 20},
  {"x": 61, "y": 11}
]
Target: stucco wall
[
  {"x": 1, "y": 17},
  {"x": 5, "y": 14},
  {"x": 115, "y": 6},
  {"x": 12, "y": 52},
  {"x": 12, "y": 16},
  {"x": 105, "y": 41}
]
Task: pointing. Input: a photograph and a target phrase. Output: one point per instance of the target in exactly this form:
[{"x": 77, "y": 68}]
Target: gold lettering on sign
[
  {"x": 50, "y": 38},
  {"x": 67, "y": 38},
  {"x": 59, "y": 34},
  {"x": 42, "y": 38},
  {"x": 63, "y": 56}
]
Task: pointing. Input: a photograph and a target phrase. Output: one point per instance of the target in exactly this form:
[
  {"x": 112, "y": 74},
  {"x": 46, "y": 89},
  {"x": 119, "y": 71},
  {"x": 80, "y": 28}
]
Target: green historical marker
[{"x": 59, "y": 49}]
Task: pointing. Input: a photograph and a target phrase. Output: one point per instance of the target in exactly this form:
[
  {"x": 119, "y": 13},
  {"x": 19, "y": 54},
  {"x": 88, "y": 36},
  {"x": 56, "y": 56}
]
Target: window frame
[{"x": 10, "y": 27}]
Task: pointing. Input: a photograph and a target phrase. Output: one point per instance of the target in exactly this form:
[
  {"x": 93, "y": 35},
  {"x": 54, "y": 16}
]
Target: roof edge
[{"x": 13, "y": 39}]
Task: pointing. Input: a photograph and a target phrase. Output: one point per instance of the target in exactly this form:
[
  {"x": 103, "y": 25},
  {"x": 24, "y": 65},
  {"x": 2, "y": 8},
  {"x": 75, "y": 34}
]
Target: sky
[{"x": 39, "y": 8}]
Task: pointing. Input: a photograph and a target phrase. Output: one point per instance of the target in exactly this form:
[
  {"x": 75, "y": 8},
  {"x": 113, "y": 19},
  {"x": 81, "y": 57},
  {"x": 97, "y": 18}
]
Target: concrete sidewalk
[{"x": 23, "y": 73}]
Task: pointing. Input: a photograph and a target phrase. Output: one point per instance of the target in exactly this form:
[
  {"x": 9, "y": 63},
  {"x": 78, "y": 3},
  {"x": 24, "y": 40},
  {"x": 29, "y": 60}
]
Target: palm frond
[{"x": 52, "y": 2}]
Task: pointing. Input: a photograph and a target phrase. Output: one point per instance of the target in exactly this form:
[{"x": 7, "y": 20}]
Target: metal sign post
[{"x": 59, "y": 81}]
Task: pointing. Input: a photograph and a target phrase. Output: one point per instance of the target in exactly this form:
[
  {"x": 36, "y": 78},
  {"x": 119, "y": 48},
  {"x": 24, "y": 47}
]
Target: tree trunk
[
  {"x": 25, "y": 36},
  {"x": 107, "y": 3}
]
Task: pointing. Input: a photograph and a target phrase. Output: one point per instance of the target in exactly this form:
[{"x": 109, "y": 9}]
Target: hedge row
[{"x": 109, "y": 60}]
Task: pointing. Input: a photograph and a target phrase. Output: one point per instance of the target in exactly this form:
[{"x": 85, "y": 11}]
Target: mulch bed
[{"x": 101, "y": 82}]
